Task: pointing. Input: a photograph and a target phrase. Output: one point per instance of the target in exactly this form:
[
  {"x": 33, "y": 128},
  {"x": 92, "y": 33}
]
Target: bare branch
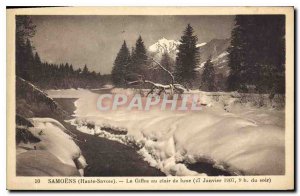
[
  {"x": 163, "y": 68},
  {"x": 179, "y": 88}
]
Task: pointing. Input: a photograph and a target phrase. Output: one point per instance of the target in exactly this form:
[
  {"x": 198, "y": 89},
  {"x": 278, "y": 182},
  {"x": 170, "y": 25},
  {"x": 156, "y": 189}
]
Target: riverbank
[
  {"x": 115, "y": 153},
  {"x": 106, "y": 157},
  {"x": 225, "y": 135}
]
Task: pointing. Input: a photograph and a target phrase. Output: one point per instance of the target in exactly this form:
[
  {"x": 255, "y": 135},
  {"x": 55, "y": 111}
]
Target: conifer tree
[
  {"x": 140, "y": 51},
  {"x": 236, "y": 54},
  {"x": 36, "y": 68},
  {"x": 85, "y": 70},
  {"x": 25, "y": 29},
  {"x": 138, "y": 58},
  {"x": 37, "y": 59},
  {"x": 187, "y": 57},
  {"x": 71, "y": 69},
  {"x": 121, "y": 62},
  {"x": 208, "y": 76},
  {"x": 257, "y": 53},
  {"x": 28, "y": 62}
]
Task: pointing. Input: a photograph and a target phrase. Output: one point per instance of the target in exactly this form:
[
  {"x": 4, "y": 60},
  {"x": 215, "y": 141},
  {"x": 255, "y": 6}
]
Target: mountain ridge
[{"x": 215, "y": 48}]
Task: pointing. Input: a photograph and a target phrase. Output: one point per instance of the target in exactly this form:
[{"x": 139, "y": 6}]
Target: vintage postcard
[{"x": 150, "y": 98}]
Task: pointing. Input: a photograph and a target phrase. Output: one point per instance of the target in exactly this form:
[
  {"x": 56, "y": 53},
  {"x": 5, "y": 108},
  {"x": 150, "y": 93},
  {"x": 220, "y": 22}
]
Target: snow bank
[
  {"x": 66, "y": 93},
  {"x": 105, "y": 87},
  {"x": 241, "y": 101},
  {"x": 45, "y": 165},
  {"x": 238, "y": 137},
  {"x": 54, "y": 140}
]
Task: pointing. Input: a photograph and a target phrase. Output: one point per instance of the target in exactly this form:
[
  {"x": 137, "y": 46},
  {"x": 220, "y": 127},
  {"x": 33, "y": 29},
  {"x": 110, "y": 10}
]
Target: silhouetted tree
[
  {"x": 27, "y": 66},
  {"x": 85, "y": 71},
  {"x": 208, "y": 76},
  {"x": 187, "y": 57},
  {"x": 122, "y": 60},
  {"x": 257, "y": 53},
  {"x": 138, "y": 58},
  {"x": 25, "y": 29}
]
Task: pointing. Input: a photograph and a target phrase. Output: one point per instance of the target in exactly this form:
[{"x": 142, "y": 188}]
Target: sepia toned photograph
[{"x": 180, "y": 95}]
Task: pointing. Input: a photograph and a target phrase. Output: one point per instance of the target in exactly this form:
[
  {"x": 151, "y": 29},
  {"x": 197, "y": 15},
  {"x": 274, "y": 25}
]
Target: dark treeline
[
  {"x": 47, "y": 75},
  {"x": 257, "y": 54},
  {"x": 256, "y": 59}
]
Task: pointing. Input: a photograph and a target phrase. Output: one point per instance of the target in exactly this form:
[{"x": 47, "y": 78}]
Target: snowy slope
[
  {"x": 214, "y": 48},
  {"x": 42, "y": 163},
  {"x": 240, "y": 138},
  {"x": 217, "y": 50}
]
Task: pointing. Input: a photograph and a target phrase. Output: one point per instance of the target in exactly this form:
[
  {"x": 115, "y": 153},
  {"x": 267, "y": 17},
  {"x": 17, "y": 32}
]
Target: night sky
[{"x": 95, "y": 40}]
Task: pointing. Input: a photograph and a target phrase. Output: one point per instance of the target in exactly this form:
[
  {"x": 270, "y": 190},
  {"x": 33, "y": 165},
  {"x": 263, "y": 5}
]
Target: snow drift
[
  {"x": 59, "y": 148},
  {"x": 237, "y": 137},
  {"x": 45, "y": 165}
]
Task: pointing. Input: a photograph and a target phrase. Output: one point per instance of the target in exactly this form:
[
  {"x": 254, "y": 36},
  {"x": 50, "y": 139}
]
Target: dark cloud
[{"x": 95, "y": 40}]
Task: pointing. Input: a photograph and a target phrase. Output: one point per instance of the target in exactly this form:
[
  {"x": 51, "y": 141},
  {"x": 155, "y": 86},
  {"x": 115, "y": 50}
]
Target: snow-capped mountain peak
[
  {"x": 216, "y": 49},
  {"x": 168, "y": 46},
  {"x": 164, "y": 46}
]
